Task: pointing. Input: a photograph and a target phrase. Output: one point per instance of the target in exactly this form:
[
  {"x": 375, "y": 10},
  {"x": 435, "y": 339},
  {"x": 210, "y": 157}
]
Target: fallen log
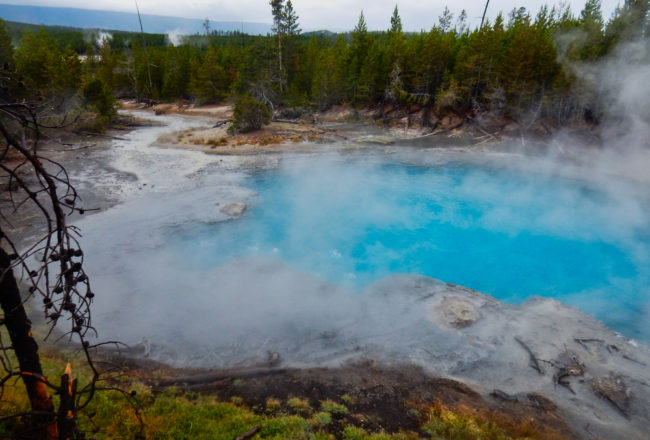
[
  {"x": 199, "y": 387},
  {"x": 217, "y": 376},
  {"x": 220, "y": 124},
  {"x": 249, "y": 433},
  {"x": 532, "y": 358},
  {"x": 498, "y": 394}
]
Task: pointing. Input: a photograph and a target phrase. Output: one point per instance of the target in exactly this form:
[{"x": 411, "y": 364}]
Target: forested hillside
[{"x": 521, "y": 62}]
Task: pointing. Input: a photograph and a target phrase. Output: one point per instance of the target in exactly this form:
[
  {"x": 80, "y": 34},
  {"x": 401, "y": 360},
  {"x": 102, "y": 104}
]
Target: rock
[
  {"x": 540, "y": 128},
  {"x": 273, "y": 358},
  {"x": 567, "y": 365},
  {"x": 454, "y": 311},
  {"x": 162, "y": 109},
  {"x": 541, "y": 402},
  {"x": 387, "y": 109},
  {"x": 376, "y": 140},
  {"x": 432, "y": 120},
  {"x": 511, "y": 129},
  {"x": 450, "y": 121},
  {"x": 418, "y": 118},
  {"x": 498, "y": 394},
  {"x": 613, "y": 389},
  {"x": 234, "y": 210}
]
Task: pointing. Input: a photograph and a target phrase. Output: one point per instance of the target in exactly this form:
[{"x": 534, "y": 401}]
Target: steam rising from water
[
  {"x": 210, "y": 293},
  {"x": 320, "y": 229},
  {"x": 218, "y": 283},
  {"x": 619, "y": 85},
  {"x": 175, "y": 36},
  {"x": 103, "y": 38},
  {"x": 313, "y": 280}
]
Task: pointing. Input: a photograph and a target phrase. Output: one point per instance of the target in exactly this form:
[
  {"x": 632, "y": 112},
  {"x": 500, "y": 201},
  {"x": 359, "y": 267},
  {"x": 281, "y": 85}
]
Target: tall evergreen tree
[
  {"x": 291, "y": 26},
  {"x": 38, "y": 60},
  {"x": 6, "y": 48},
  {"x": 395, "y": 48},
  {"x": 591, "y": 13},
  {"x": 292, "y": 31},
  {"x": 395, "y": 22},
  {"x": 210, "y": 83},
  {"x": 591, "y": 23},
  {"x": 461, "y": 22},
  {"x": 359, "y": 44},
  {"x": 631, "y": 22},
  {"x": 279, "y": 27},
  {"x": 444, "y": 20}
]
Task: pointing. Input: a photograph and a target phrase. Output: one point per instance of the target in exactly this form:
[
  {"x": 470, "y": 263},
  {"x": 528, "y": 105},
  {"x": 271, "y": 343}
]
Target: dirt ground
[
  {"x": 378, "y": 398},
  {"x": 275, "y": 137},
  {"x": 297, "y": 135},
  {"x": 70, "y": 147}
]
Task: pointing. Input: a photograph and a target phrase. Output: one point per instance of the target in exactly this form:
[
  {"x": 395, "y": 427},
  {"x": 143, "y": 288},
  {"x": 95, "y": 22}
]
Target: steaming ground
[{"x": 194, "y": 308}]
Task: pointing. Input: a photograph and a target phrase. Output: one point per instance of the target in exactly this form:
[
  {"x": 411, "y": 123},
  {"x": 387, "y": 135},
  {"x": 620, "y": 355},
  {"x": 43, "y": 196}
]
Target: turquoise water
[{"x": 509, "y": 233}]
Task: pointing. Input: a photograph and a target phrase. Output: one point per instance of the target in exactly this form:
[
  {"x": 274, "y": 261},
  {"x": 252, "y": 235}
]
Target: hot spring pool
[
  {"x": 507, "y": 232},
  {"x": 165, "y": 267}
]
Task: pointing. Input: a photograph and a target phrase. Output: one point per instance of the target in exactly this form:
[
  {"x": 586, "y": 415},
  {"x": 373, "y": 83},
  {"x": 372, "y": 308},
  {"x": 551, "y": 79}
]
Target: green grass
[
  {"x": 336, "y": 409},
  {"x": 322, "y": 419},
  {"x": 459, "y": 425},
  {"x": 299, "y": 405},
  {"x": 176, "y": 415}
]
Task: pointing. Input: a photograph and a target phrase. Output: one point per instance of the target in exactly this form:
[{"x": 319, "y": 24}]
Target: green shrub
[
  {"x": 249, "y": 114},
  {"x": 99, "y": 97},
  {"x": 334, "y": 408},
  {"x": 298, "y": 404},
  {"x": 322, "y": 419}
]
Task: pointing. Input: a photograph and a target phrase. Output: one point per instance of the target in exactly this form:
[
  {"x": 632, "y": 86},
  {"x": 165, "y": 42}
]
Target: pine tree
[
  {"x": 461, "y": 22},
  {"x": 291, "y": 26},
  {"x": 277, "y": 10},
  {"x": 172, "y": 77},
  {"x": 631, "y": 22},
  {"x": 307, "y": 61},
  {"x": 292, "y": 29},
  {"x": 279, "y": 27},
  {"x": 359, "y": 45},
  {"x": 210, "y": 83},
  {"x": 107, "y": 65},
  {"x": 361, "y": 29},
  {"x": 38, "y": 60},
  {"x": 395, "y": 89},
  {"x": 444, "y": 21},
  {"x": 395, "y": 49},
  {"x": 591, "y": 24},
  {"x": 591, "y": 13},
  {"x": 70, "y": 71},
  {"x": 395, "y": 22},
  {"x": 6, "y": 48}
]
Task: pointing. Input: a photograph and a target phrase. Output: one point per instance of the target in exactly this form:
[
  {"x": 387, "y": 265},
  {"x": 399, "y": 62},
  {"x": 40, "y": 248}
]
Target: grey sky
[{"x": 319, "y": 14}]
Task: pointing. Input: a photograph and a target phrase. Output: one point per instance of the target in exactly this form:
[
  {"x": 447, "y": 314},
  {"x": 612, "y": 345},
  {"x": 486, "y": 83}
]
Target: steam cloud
[
  {"x": 103, "y": 38},
  {"x": 197, "y": 312},
  {"x": 175, "y": 37}
]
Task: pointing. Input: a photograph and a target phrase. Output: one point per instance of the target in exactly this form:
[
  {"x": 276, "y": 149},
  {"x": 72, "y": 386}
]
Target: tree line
[{"x": 509, "y": 66}]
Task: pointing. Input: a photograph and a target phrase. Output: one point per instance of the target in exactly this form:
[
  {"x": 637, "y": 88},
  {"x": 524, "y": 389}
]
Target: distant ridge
[{"x": 121, "y": 21}]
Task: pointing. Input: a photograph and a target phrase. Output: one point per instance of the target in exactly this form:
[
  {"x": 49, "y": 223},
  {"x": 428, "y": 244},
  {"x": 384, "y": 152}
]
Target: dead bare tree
[{"x": 51, "y": 268}]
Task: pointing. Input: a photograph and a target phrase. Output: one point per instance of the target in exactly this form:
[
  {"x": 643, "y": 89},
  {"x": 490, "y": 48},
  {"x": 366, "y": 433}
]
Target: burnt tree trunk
[
  {"x": 67, "y": 411},
  {"x": 26, "y": 350}
]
